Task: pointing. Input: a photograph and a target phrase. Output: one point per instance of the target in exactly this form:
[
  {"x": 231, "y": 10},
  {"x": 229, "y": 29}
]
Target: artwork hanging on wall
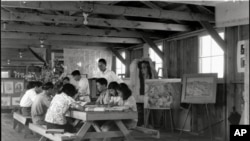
[
  {"x": 161, "y": 93},
  {"x": 19, "y": 86},
  {"x": 241, "y": 59},
  {"x": 5, "y": 101},
  {"x": 8, "y": 87},
  {"x": 199, "y": 88},
  {"x": 15, "y": 101},
  {"x": 2, "y": 87}
]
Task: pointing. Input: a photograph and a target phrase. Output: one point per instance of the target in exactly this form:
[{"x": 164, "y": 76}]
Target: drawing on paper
[
  {"x": 5, "y": 101},
  {"x": 160, "y": 94},
  {"x": 15, "y": 101},
  {"x": 199, "y": 88},
  {"x": 18, "y": 87},
  {"x": 1, "y": 87},
  {"x": 8, "y": 87}
]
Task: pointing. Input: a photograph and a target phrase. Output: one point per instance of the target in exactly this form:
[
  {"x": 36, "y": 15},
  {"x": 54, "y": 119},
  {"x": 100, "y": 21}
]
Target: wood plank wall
[
  {"x": 181, "y": 56},
  {"x": 235, "y": 80}
]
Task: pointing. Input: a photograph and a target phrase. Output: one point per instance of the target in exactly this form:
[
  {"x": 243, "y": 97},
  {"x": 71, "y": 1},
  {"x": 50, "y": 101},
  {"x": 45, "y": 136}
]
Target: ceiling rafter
[
  {"x": 28, "y": 17},
  {"x": 15, "y": 35},
  {"x": 113, "y": 10}
]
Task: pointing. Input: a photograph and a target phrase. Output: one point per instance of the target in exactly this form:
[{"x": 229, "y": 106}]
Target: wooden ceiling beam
[
  {"x": 112, "y": 10},
  {"x": 153, "y": 46},
  {"x": 15, "y": 35},
  {"x": 118, "y": 55},
  {"x": 28, "y": 17},
  {"x": 69, "y": 30},
  {"x": 65, "y": 30}
]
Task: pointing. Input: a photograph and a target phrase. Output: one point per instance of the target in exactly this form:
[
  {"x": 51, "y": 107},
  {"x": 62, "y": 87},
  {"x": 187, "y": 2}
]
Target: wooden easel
[{"x": 208, "y": 117}]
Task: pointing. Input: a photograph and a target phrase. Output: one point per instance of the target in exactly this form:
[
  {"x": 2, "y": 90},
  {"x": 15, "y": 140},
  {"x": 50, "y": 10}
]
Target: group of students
[{"x": 48, "y": 103}]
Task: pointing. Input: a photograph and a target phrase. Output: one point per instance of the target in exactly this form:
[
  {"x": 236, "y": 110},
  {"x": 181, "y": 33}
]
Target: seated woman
[
  {"x": 60, "y": 104},
  {"x": 29, "y": 97},
  {"x": 127, "y": 100},
  {"x": 104, "y": 97},
  {"x": 112, "y": 89}
]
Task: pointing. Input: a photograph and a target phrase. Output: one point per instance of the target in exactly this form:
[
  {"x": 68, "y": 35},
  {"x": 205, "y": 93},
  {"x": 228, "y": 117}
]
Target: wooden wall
[
  {"x": 234, "y": 80},
  {"x": 180, "y": 57}
]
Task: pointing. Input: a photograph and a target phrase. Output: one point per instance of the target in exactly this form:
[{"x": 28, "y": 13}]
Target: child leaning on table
[
  {"x": 127, "y": 100},
  {"x": 60, "y": 104},
  {"x": 114, "y": 97}
]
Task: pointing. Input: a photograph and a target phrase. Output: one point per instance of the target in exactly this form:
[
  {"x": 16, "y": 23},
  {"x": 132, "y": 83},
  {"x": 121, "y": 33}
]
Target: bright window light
[
  {"x": 120, "y": 67},
  {"x": 211, "y": 56},
  {"x": 157, "y": 60}
]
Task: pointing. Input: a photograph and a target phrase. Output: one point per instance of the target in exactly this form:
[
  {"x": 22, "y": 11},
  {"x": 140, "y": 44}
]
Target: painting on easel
[{"x": 199, "y": 88}]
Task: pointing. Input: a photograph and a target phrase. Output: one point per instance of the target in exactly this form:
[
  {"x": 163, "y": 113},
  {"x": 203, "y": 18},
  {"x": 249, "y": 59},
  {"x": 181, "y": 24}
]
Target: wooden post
[
  {"x": 246, "y": 88},
  {"x": 48, "y": 55},
  {"x": 128, "y": 62}
]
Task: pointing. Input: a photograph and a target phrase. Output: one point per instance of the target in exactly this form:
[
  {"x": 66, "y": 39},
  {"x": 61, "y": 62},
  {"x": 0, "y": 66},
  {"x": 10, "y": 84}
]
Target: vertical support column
[
  {"x": 48, "y": 55},
  {"x": 127, "y": 62}
]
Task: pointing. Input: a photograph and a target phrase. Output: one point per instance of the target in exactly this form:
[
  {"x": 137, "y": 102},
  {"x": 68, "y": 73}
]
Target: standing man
[
  {"x": 105, "y": 73},
  {"x": 82, "y": 86}
]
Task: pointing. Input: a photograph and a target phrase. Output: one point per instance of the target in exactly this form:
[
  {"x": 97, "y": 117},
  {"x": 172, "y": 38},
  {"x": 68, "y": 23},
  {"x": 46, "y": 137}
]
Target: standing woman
[{"x": 60, "y": 104}]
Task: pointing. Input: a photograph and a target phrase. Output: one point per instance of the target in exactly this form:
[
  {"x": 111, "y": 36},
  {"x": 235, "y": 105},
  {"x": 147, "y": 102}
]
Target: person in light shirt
[
  {"x": 105, "y": 73},
  {"x": 29, "y": 97},
  {"x": 41, "y": 103},
  {"x": 82, "y": 86}
]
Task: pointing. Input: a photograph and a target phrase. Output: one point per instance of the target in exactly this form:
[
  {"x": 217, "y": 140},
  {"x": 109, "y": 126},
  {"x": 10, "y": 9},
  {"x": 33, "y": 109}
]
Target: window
[
  {"x": 211, "y": 56},
  {"x": 157, "y": 60},
  {"x": 120, "y": 67}
]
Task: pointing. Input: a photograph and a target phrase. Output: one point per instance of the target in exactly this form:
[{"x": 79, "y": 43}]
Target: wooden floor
[{"x": 9, "y": 134}]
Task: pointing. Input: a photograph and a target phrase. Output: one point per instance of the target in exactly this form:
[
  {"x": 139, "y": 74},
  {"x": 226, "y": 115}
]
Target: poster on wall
[
  {"x": 5, "y": 101},
  {"x": 241, "y": 59},
  {"x": 1, "y": 87},
  {"x": 8, "y": 87},
  {"x": 15, "y": 101},
  {"x": 18, "y": 86}
]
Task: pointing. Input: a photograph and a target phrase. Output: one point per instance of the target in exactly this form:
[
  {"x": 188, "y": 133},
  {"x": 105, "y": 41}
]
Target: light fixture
[
  {"x": 8, "y": 61},
  {"x": 41, "y": 41},
  {"x": 20, "y": 54},
  {"x": 85, "y": 15}
]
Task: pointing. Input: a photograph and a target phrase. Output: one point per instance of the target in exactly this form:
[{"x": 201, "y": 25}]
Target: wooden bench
[
  {"x": 52, "y": 136},
  {"x": 22, "y": 121}
]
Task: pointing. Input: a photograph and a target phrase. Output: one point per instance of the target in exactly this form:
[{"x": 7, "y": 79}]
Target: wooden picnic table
[{"x": 90, "y": 119}]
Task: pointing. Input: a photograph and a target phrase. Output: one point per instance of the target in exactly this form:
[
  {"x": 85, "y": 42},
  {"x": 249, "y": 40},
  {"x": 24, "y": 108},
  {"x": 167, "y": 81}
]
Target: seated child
[
  {"x": 127, "y": 100},
  {"x": 60, "y": 104},
  {"x": 114, "y": 98},
  {"x": 104, "y": 97},
  {"x": 41, "y": 104}
]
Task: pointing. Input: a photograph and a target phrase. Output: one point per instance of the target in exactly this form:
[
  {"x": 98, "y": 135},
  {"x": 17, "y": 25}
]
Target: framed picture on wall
[
  {"x": 1, "y": 87},
  {"x": 5, "y": 101},
  {"x": 199, "y": 88},
  {"x": 19, "y": 86},
  {"x": 8, "y": 87},
  {"x": 15, "y": 101}
]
